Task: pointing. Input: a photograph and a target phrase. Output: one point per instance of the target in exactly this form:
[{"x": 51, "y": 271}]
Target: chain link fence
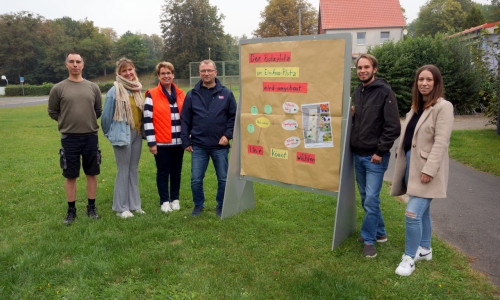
[{"x": 228, "y": 72}]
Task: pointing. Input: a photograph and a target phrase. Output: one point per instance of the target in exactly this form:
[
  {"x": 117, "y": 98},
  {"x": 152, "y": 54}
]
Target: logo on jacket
[{"x": 221, "y": 97}]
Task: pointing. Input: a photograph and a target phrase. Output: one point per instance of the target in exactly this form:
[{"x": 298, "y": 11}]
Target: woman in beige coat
[{"x": 422, "y": 162}]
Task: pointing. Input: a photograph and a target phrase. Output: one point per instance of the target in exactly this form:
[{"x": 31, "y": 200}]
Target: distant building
[
  {"x": 371, "y": 22},
  {"x": 487, "y": 37}
]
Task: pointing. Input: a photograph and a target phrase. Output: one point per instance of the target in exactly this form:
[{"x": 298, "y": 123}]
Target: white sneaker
[
  {"x": 165, "y": 207},
  {"x": 125, "y": 214},
  {"x": 406, "y": 266},
  {"x": 175, "y": 205},
  {"x": 140, "y": 211},
  {"x": 423, "y": 254}
]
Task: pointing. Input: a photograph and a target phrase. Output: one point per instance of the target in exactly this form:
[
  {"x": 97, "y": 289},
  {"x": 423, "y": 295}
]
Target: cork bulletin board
[{"x": 291, "y": 111}]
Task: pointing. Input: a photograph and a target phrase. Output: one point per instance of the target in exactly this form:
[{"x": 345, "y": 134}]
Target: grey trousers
[{"x": 126, "y": 195}]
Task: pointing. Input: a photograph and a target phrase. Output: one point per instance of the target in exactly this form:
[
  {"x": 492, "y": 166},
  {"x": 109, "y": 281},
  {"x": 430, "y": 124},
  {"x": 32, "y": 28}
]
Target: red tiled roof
[
  {"x": 339, "y": 14},
  {"x": 484, "y": 26}
]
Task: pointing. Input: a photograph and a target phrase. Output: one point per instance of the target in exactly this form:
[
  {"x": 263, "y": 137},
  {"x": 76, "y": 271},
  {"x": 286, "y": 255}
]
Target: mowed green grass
[
  {"x": 280, "y": 250},
  {"x": 479, "y": 149}
]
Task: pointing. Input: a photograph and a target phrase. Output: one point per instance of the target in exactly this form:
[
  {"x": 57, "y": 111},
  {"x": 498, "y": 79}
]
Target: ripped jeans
[{"x": 418, "y": 220}]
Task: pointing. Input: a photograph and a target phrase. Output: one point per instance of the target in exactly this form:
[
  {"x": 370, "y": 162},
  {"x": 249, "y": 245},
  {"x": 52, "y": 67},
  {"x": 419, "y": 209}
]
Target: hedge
[{"x": 44, "y": 89}]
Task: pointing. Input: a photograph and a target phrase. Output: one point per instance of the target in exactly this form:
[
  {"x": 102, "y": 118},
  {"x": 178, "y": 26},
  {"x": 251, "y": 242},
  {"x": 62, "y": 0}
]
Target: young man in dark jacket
[
  {"x": 376, "y": 126},
  {"x": 207, "y": 123}
]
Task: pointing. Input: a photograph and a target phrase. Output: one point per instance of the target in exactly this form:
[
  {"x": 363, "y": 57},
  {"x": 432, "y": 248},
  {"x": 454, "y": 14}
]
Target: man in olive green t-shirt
[{"x": 76, "y": 104}]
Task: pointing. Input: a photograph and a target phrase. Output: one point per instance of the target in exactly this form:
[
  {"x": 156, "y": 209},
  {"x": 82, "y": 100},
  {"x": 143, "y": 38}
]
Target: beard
[{"x": 369, "y": 78}]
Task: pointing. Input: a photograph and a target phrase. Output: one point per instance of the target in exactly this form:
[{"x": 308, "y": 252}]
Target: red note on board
[
  {"x": 254, "y": 149},
  {"x": 306, "y": 157},
  {"x": 270, "y": 57},
  {"x": 284, "y": 87}
]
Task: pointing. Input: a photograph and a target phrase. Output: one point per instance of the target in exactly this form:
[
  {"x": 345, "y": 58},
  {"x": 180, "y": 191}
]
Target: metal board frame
[{"x": 239, "y": 194}]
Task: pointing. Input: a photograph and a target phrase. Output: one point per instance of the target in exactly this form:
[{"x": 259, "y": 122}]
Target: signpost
[{"x": 21, "y": 80}]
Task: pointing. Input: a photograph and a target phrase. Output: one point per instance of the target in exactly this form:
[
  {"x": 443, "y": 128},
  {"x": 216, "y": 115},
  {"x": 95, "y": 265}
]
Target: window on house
[
  {"x": 361, "y": 38},
  {"x": 384, "y": 36}
]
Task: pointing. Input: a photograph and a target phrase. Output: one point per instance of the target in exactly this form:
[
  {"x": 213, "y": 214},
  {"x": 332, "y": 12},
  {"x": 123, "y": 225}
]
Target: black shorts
[{"x": 72, "y": 146}]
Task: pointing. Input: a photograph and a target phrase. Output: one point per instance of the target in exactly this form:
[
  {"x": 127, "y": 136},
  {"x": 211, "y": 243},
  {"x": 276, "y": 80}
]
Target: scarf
[
  {"x": 172, "y": 97},
  {"x": 123, "y": 109}
]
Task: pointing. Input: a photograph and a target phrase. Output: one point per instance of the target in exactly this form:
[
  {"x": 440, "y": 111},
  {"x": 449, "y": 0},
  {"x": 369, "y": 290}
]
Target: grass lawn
[
  {"x": 479, "y": 149},
  {"x": 280, "y": 250}
]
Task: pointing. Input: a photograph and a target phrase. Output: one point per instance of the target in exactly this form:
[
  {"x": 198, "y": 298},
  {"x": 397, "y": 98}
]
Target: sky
[{"x": 241, "y": 16}]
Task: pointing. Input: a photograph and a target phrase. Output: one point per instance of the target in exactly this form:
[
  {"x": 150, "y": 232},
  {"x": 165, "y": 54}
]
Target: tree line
[
  {"x": 35, "y": 48},
  {"x": 452, "y": 16}
]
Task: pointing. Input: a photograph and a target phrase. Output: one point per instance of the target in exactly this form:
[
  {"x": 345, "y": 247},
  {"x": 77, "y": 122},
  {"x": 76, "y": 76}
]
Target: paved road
[
  {"x": 22, "y": 101},
  {"x": 469, "y": 219}
]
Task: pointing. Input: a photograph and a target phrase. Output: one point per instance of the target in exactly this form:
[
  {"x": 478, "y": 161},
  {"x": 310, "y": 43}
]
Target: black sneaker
[
  {"x": 218, "y": 211},
  {"x": 92, "y": 212},
  {"x": 197, "y": 210},
  {"x": 369, "y": 251},
  {"x": 70, "y": 217}
]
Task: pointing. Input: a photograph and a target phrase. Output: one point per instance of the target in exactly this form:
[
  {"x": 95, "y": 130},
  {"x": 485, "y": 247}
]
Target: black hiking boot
[
  {"x": 92, "y": 212},
  {"x": 70, "y": 217}
]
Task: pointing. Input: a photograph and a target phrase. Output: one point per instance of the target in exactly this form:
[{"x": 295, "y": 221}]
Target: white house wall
[{"x": 372, "y": 37}]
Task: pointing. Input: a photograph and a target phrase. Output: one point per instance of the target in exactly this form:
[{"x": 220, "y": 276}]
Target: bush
[
  {"x": 399, "y": 61},
  {"x": 29, "y": 90},
  {"x": 104, "y": 87},
  {"x": 44, "y": 89}
]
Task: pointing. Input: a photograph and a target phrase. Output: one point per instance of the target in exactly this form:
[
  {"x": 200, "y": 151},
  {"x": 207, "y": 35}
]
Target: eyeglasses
[
  {"x": 206, "y": 71},
  {"x": 73, "y": 61}
]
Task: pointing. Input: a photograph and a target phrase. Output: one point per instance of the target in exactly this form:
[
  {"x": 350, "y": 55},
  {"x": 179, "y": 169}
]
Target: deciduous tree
[
  {"x": 131, "y": 46},
  {"x": 445, "y": 16},
  {"x": 281, "y": 18},
  {"x": 474, "y": 17},
  {"x": 154, "y": 50},
  {"x": 21, "y": 45},
  {"x": 190, "y": 28}
]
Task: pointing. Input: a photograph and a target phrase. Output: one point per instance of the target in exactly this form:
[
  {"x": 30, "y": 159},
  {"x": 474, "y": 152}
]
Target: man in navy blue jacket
[{"x": 207, "y": 123}]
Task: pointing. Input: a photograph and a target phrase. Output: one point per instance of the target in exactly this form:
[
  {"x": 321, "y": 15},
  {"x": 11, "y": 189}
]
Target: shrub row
[{"x": 44, "y": 89}]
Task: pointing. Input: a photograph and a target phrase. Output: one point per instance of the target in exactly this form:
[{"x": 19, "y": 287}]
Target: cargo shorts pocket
[
  {"x": 62, "y": 159},
  {"x": 99, "y": 155}
]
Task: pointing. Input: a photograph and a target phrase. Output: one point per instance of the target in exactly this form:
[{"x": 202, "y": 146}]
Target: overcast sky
[{"x": 241, "y": 16}]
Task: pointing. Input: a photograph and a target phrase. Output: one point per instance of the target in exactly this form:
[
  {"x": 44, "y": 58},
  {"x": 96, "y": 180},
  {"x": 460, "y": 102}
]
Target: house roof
[
  {"x": 484, "y": 26},
  {"x": 343, "y": 14}
]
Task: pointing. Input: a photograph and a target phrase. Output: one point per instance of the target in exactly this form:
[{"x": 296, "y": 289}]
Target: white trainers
[
  {"x": 406, "y": 266},
  {"x": 423, "y": 254},
  {"x": 175, "y": 205},
  {"x": 125, "y": 214},
  {"x": 165, "y": 207},
  {"x": 140, "y": 211}
]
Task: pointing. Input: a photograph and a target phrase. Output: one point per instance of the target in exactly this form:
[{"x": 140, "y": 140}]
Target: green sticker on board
[
  {"x": 254, "y": 110},
  {"x": 268, "y": 109},
  {"x": 251, "y": 128}
]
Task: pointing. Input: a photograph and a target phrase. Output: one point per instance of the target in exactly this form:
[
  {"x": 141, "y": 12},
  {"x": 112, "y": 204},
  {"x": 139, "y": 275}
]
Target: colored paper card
[
  {"x": 270, "y": 57},
  {"x": 306, "y": 157},
  {"x": 279, "y": 153},
  {"x": 254, "y": 149},
  {"x": 280, "y": 72},
  {"x": 284, "y": 87}
]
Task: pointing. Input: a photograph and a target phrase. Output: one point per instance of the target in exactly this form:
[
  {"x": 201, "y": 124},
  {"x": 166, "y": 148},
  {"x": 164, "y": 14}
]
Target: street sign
[{"x": 21, "y": 79}]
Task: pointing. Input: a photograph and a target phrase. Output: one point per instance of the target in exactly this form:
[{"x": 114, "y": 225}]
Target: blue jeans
[
  {"x": 199, "y": 164},
  {"x": 418, "y": 220},
  {"x": 369, "y": 177}
]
